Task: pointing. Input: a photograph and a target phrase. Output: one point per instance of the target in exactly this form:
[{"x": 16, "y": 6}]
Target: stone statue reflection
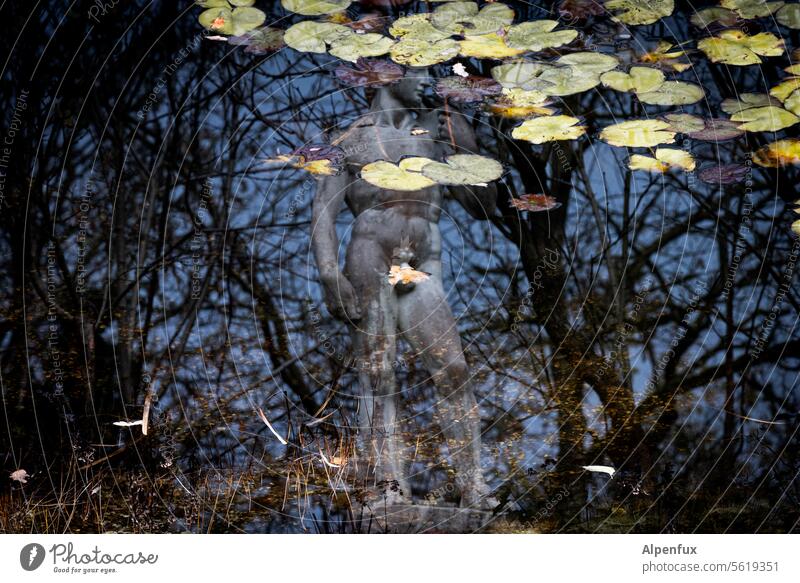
[{"x": 391, "y": 228}]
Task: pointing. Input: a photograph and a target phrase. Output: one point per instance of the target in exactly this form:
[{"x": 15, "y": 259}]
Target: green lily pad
[
  {"x": 353, "y": 46},
  {"x": 465, "y": 18},
  {"x": 315, "y": 7},
  {"x": 464, "y": 169},
  {"x": 415, "y": 52},
  {"x": 310, "y": 36},
  {"x": 538, "y": 35},
  {"x": 673, "y": 93}
]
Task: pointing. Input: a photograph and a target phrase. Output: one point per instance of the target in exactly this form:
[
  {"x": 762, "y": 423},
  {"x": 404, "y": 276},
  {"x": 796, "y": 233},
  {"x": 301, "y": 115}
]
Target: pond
[{"x": 322, "y": 266}]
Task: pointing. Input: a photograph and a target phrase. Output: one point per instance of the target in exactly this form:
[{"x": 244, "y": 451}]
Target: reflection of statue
[{"x": 392, "y": 228}]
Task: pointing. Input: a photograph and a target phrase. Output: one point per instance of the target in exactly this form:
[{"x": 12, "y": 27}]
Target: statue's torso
[{"x": 387, "y": 216}]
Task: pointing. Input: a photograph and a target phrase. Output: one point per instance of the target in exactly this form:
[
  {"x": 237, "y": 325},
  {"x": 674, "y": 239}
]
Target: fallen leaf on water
[
  {"x": 664, "y": 160},
  {"x": 535, "y": 203},
  {"x": 723, "y": 174},
  {"x": 547, "y": 129},
  {"x": 638, "y": 133},
  {"x": 778, "y": 153}
]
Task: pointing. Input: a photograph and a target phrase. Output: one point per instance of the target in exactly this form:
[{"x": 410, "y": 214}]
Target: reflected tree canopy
[{"x": 168, "y": 361}]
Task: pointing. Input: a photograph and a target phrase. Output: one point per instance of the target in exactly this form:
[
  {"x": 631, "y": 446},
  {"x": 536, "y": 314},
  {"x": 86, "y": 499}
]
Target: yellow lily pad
[
  {"x": 640, "y": 11},
  {"x": 777, "y": 154},
  {"x": 792, "y": 102},
  {"x": 487, "y": 46},
  {"x": 405, "y": 176},
  {"x": 638, "y": 79},
  {"x": 785, "y": 88},
  {"x": 353, "y": 46},
  {"x": 467, "y": 18},
  {"x": 673, "y": 93},
  {"x": 464, "y": 169},
  {"x": 416, "y": 52},
  {"x": 664, "y": 160},
  {"x": 547, "y": 129},
  {"x": 749, "y": 9},
  {"x": 639, "y": 133},
  {"x": 747, "y": 101},
  {"x": 537, "y": 35},
  {"x": 315, "y": 7},
  {"x": 733, "y": 47},
  {"x": 765, "y": 119}
]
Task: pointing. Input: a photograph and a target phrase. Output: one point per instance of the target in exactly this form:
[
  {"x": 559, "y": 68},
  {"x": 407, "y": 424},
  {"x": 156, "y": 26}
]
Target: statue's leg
[
  {"x": 427, "y": 323},
  {"x": 374, "y": 339}
]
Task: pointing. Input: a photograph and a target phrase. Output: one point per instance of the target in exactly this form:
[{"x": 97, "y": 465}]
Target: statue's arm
[
  {"x": 479, "y": 201},
  {"x": 340, "y": 296}
]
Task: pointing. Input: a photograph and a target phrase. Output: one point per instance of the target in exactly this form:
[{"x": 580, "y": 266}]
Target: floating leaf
[
  {"x": 416, "y": 26},
  {"x": 640, "y": 11},
  {"x": 597, "y": 63},
  {"x": 751, "y": 8},
  {"x": 723, "y": 174},
  {"x": 664, "y": 160},
  {"x": 517, "y": 103},
  {"x": 535, "y": 203},
  {"x": 373, "y": 73},
  {"x": 487, "y": 46},
  {"x": 405, "y": 176},
  {"x": 547, "y": 129},
  {"x": 796, "y": 228},
  {"x": 780, "y": 153},
  {"x": 666, "y": 57},
  {"x": 707, "y": 17},
  {"x": 684, "y": 122},
  {"x": 673, "y": 93},
  {"x": 537, "y": 35},
  {"x": 310, "y": 36},
  {"x": 354, "y": 46},
  {"x": 746, "y": 101},
  {"x": 464, "y": 169},
  {"x": 406, "y": 274},
  {"x": 639, "y": 133},
  {"x": 465, "y": 18},
  {"x": 792, "y": 102},
  {"x": 236, "y": 22},
  {"x": 638, "y": 79},
  {"x": 466, "y": 89},
  {"x": 765, "y": 119},
  {"x": 717, "y": 130},
  {"x": 733, "y": 47},
  {"x": 422, "y": 53},
  {"x": 789, "y": 16},
  {"x": 315, "y": 7},
  {"x": 522, "y": 75},
  {"x": 260, "y": 41},
  {"x": 319, "y": 160},
  {"x": 563, "y": 81},
  {"x": 783, "y": 90}
]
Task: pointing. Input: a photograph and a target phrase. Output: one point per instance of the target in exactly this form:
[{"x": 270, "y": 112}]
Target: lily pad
[
  {"x": 638, "y": 79},
  {"x": 673, "y": 93},
  {"x": 640, "y": 11},
  {"x": 416, "y": 52},
  {"x": 353, "y": 46},
  {"x": 315, "y": 7},
  {"x": 723, "y": 174},
  {"x": 639, "y": 133},
  {"x": 665, "y": 159},
  {"x": 547, "y": 129},
  {"x": 733, "y": 47},
  {"x": 784, "y": 89},
  {"x": 748, "y": 9},
  {"x": 369, "y": 72},
  {"x": 538, "y": 35},
  {"x": 310, "y": 36},
  {"x": 746, "y": 101},
  {"x": 780, "y": 153},
  {"x": 467, "y": 89},
  {"x": 260, "y": 41},
  {"x": 765, "y": 119},
  {"x": 237, "y": 21},
  {"x": 465, "y": 18},
  {"x": 464, "y": 169},
  {"x": 487, "y": 46},
  {"x": 597, "y": 63},
  {"x": 708, "y": 17},
  {"x": 405, "y": 176},
  {"x": 717, "y": 130},
  {"x": 684, "y": 123},
  {"x": 789, "y": 16}
]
